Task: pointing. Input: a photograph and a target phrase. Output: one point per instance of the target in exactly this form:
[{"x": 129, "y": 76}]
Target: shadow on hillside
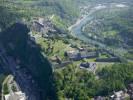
[{"x": 19, "y": 45}]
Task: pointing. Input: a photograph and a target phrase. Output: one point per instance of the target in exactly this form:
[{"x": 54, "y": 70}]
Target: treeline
[
  {"x": 7, "y": 16},
  {"x": 82, "y": 85},
  {"x": 112, "y": 26},
  {"x": 65, "y": 9}
]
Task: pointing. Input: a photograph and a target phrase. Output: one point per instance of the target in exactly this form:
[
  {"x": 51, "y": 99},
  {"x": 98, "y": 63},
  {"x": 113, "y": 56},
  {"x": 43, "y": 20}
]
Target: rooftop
[{"x": 15, "y": 96}]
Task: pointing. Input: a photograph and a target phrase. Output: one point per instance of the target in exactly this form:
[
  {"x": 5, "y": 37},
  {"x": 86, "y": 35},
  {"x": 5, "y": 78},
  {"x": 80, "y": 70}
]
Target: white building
[
  {"x": 120, "y": 95},
  {"x": 15, "y": 96}
]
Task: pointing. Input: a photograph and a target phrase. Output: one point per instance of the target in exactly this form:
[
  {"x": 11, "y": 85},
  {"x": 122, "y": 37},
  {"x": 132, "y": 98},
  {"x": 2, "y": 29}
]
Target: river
[{"x": 76, "y": 29}]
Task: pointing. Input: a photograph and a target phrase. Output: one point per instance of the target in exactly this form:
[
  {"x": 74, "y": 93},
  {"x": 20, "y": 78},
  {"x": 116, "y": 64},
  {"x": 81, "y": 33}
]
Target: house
[
  {"x": 75, "y": 55},
  {"x": 89, "y": 66},
  {"x": 15, "y": 96},
  {"x": 112, "y": 59},
  {"x": 88, "y": 55},
  {"x": 120, "y": 95},
  {"x": 130, "y": 91},
  {"x": 38, "y": 27},
  {"x": 72, "y": 55},
  {"x": 56, "y": 59},
  {"x": 43, "y": 26},
  {"x": 81, "y": 48},
  {"x": 99, "y": 98}
]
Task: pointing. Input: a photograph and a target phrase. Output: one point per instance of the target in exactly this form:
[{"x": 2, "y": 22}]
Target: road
[{"x": 76, "y": 31}]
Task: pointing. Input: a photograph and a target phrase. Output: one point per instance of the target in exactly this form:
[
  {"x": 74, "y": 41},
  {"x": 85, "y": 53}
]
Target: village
[
  {"x": 63, "y": 50},
  {"x": 11, "y": 90},
  {"x": 66, "y": 50}
]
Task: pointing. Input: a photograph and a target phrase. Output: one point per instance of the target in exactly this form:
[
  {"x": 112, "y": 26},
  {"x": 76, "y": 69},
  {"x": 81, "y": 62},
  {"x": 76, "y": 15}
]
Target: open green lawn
[
  {"x": 103, "y": 56},
  {"x": 59, "y": 47},
  {"x": 112, "y": 33}
]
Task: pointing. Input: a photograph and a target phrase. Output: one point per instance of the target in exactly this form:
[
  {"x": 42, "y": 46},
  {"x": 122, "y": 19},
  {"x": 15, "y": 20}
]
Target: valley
[
  {"x": 66, "y": 50},
  {"x": 89, "y": 27}
]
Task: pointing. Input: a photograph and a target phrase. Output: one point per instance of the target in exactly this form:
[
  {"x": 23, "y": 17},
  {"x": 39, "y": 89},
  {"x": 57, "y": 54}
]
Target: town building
[
  {"x": 130, "y": 91},
  {"x": 76, "y": 56},
  {"x": 91, "y": 66},
  {"x": 120, "y": 95},
  {"x": 43, "y": 26},
  {"x": 99, "y": 98},
  {"x": 15, "y": 96},
  {"x": 111, "y": 59}
]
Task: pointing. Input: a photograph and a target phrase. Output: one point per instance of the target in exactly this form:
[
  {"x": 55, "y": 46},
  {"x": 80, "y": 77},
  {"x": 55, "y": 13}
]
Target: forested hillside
[
  {"x": 50, "y": 59},
  {"x": 7, "y": 15},
  {"x": 65, "y": 9},
  {"x": 83, "y": 85},
  {"x": 113, "y": 27},
  {"x": 112, "y": 24}
]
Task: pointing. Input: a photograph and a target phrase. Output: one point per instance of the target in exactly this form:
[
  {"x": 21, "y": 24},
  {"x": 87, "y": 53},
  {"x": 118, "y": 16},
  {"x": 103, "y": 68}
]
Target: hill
[
  {"x": 30, "y": 57},
  {"x": 113, "y": 27},
  {"x": 65, "y": 9}
]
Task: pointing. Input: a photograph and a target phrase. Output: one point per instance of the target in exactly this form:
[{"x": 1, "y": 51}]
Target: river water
[{"x": 76, "y": 29}]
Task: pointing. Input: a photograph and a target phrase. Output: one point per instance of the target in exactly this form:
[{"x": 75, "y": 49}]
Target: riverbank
[{"x": 76, "y": 29}]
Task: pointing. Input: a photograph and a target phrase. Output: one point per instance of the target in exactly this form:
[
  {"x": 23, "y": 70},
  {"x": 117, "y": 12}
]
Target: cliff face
[{"x": 18, "y": 45}]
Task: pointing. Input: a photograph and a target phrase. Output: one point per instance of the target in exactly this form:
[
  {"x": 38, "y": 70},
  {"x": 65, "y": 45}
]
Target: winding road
[{"x": 76, "y": 29}]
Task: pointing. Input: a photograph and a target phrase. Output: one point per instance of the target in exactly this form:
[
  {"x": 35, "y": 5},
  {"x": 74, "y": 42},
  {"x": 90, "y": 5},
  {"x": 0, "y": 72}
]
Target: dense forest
[
  {"x": 65, "y": 9},
  {"x": 113, "y": 27},
  {"x": 7, "y": 16},
  {"x": 83, "y": 85}
]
